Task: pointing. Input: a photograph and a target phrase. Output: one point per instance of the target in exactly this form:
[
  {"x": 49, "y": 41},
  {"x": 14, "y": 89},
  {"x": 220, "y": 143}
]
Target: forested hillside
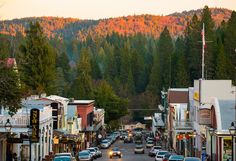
[{"x": 127, "y": 61}]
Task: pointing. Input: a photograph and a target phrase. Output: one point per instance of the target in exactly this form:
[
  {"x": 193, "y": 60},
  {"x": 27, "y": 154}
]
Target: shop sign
[
  {"x": 55, "y": 140},
  {"x": 196, "y": 96},
  {"x": 14, "y": 140},
  {"x": 205, "y": 117},
  {"x": 34, "y": 122}
]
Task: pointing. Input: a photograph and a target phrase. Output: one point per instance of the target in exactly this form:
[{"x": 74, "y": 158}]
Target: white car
[
  {"x": 139, "y": 149},
  {"x": 105, "y": 144},
  {"x": 160, "y": 155},
  {"x": 149, "y": 144},
  {"x": 154, "y": 150},
  {"x": 99, "y": 153},
  {"x": 85, "y": 156},
  {"x": 93, "y": 152}
]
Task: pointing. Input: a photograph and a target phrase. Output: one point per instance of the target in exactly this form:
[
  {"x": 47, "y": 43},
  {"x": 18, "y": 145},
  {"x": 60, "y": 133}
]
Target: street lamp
[
  {"x": 8, "y": 126},
  {"x": 29, "y": 135},
  {"x": 232, "y": 131},
  {"x": 211, "y": 131},
  {"x": 194, "y": 142}
]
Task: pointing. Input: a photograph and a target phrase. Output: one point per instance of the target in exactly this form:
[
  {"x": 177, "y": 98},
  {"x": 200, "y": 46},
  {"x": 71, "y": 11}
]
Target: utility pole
[{"x": 203, "y": 49}]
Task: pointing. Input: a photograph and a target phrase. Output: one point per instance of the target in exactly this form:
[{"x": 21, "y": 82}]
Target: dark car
[
  {"x": 139, "y": 149},
  {"x": 128, "y": 139},
  {"x": 176, "y": 158},
  {"x": 115, "y": 152}
]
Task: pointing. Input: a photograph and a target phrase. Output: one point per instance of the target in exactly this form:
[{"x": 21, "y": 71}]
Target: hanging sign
[{"x": 34, "y": 123}]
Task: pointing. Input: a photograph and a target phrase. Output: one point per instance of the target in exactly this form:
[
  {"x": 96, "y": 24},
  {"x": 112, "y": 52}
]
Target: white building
[{"x": 17, "y": 141}]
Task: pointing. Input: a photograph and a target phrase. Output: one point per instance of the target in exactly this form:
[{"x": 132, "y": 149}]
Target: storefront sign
[
  {"x": 34, "y": 122},
  {"x": 14, "y": 140},
  {"x": 205, "y": 117},
  {"x": 196, "y": 96}
]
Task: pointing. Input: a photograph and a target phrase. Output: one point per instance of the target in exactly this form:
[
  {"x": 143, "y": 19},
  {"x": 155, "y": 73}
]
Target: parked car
[
  {"x": 167, "y": 156},
  {"x": 85, "y": 156},
  {"x": 115, "y": 152},
  {"x": 105, "y": 144},
  {"x": 93, "y": 152},
  {"x": 99, "y": 153},
  {"x": 176, "y": 158},
  {"x": 64, "y": 158},
  {"x": 192, "y": 159},
  {"x": 160, "y": 155},
  {"x": 139, "y": 149},
  {"x": 154, "y": 150},
  {"x": 149, "y": 144}
]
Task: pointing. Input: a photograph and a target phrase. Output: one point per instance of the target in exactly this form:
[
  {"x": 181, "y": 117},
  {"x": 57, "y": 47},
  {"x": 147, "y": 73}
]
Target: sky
[{"x": 99, "y": 9}]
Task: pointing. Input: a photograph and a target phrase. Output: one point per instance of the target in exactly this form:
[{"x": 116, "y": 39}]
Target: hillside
[{"x": 70, "y": 28}]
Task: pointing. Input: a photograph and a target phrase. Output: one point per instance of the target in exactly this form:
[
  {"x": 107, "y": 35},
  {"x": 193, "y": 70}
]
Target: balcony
[{"x": 183, "y": 126}]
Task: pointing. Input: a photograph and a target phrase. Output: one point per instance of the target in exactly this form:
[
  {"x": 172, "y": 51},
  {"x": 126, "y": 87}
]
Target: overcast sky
[{"x": 97, "y": 9}]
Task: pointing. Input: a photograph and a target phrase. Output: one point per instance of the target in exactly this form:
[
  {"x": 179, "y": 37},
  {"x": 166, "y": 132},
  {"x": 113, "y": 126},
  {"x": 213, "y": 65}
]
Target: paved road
[{"x": 127, "y": 151}]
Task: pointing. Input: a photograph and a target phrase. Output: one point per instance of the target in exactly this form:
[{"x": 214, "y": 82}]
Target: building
[
  {"x": 17, "y": 139},
  {"x": 214, "y": 102}
]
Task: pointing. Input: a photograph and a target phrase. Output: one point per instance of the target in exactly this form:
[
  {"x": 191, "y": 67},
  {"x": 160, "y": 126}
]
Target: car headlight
[
  {"x": 118, "y": 152},
  {"x": 110, "y": 153}
]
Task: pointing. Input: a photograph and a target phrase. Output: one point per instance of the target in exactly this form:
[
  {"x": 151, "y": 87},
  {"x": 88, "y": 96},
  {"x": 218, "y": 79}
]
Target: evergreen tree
[
  {"x": 230, "y": 46},
  {"x": 210, "y": 50},
  {"x": 10, "y": 88},
  {"x": 165, "y": 49},
  {"x": 221, "y": 63},
  {"x": 193, "y": 48},
  {"x": 38, "y": 63},
  {"x": 82, "y": 85}
]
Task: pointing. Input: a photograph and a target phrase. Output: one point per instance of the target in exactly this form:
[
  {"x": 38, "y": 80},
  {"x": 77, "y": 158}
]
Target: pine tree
[
  {"x": 210, "y": 50},
  {"x": 165, "y": 48},
  {"x": 38, "y": 63},
  {"x": 221, "y": 62},
  {"x": 230, "y": 46},
  {"x": 82, "y": 85},
  {"x": 10, "y": 88}
]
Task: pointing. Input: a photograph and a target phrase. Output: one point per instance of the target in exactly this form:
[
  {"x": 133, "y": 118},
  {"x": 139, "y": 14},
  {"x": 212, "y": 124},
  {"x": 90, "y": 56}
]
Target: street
[{"x": 127, "y": 151}]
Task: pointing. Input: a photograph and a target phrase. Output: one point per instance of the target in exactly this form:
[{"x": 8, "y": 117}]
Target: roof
[
  {"x": 178, "y": 89},
  {"x": 39, "y": 104},
  {"x": 76, "y": 102},
  {"x": 57, "y": 98},
  {"x": 227, "y": 112}
]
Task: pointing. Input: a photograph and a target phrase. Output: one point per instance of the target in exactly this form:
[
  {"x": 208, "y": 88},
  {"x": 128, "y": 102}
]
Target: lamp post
[
  {"x": 8, "y": 126},
  {"x": 194, "y": 137},
  {"x": 211, "y": 131},
  {"x": 232, "y": 131},
  {"x": 29, "y": 135}
]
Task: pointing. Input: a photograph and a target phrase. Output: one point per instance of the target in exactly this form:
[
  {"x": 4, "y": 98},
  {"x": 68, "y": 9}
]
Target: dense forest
[{"x": 122, "y": 69}]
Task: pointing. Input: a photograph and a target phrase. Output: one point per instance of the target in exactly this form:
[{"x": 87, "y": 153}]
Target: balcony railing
[{"x": 183, "y": 125}]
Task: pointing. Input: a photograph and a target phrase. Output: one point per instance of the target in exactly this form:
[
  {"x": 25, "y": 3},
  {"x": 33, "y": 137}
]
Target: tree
[
  {"x": 37, "y": 62},
  {"x": 81, "y": 87},
  {"x": 114, "y": 106},
  {"x": 193, "y": 48},
  {"x": 230, "y": 45},
  {"x": 10, "y": 88},
  {"x": 165, "y": 49},
  {"x": 210, "y": 50}
]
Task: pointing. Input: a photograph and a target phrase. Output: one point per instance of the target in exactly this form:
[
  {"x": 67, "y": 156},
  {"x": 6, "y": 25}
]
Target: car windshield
[
  {"x": 157, "y": 147},
  {"x": 92, "y": 150},
  {"x": 105, "y": 141},
  {"x": 83, "y": 153},
  {"x": 61, "y": 159},
  {"x": 162, "y": 152},
  {"x": 139, "y": 146},
  {"x": 192, "y": 159},
  {"x": 176, "y": 158},
  {"x": 115, "y": 149}
]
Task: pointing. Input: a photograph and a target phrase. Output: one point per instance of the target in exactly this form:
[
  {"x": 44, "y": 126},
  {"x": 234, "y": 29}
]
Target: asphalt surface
[{"x": 127, "y": 150}]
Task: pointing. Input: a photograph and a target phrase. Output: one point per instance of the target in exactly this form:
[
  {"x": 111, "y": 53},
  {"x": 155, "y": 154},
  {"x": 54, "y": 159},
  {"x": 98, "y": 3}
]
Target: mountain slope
[{"x": 151, "y": 25}]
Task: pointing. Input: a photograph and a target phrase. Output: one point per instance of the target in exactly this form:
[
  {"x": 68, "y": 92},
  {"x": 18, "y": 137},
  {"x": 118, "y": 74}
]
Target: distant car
[
  {"x": 115, "y": 152},
  {"x": 128, "y": 139},
  {"x": 149, "y": 144},
  {"x": 139, "y": 149},
  {"x": 105, "y": 144},
  {"x": 85, "y": 156},
  {"x": 192, "y": 159},
  {"x": 154, "y": 150},
  {"x": 176, "y": 158},
  {"x": 160, "y": 155}
]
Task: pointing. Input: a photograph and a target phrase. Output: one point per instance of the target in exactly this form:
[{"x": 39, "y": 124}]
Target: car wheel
[
  {"x": 110, "y": 157},
  {"x": 120, "y": 156}
]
